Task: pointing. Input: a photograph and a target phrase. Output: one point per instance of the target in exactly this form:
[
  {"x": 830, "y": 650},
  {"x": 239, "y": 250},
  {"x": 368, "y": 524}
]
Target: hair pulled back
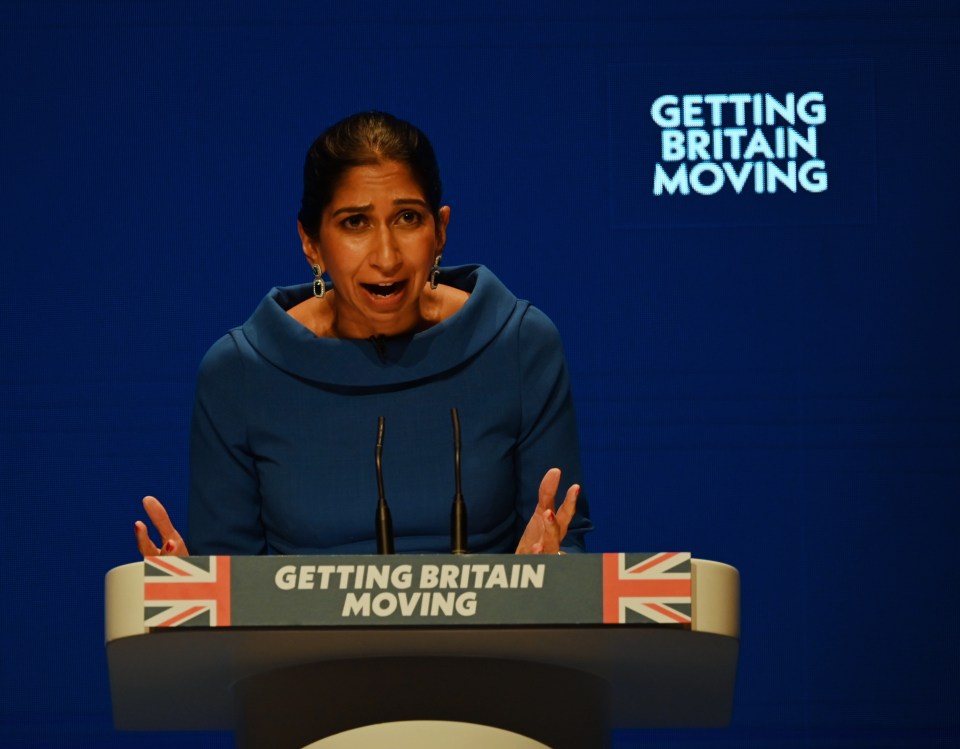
[{"x": 362, "y": 139}]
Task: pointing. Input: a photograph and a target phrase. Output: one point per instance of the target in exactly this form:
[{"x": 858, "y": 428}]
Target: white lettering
[
  {"x": 672, "y": 145},
  {"x": 679, "y": 181},
  {"x": 737, "y": 179},
  {"x": 692, "y": 111},
  {"x": 409, "y": 601},
  {"x": 788, "y": 179},
  {"x": 305, "y": 580},
  {"x": 402, "y": 577},
  {"x": 705, "y": 160},
  {"x": 325, "y": 570},
  {"x": 533, "y": 575},
  {"x": 758, "y": 143},
  {"x": 442, "y": 603},
  {"x": 698, "y": 143},
  {"x": 787, "y": 110},
  {"x": 384, "y": 604},
  {"x": 448, "y": 575},
  {"x": 429, "y": 576},
  {"x": 811, "y": 108},
  {"x": 345, "y": 571},
  {"x": 713, "y": 185},
  {"x": 808, "y": 144},
  {"x": 467, "y": 604},
  {"x": 665, "y": 111},
  {"x": 354, "y": 605},
  {"x": 739, "y": 102},
  {"x": 498, "y": 577},
  {"x": 716, "y": 101},
  {"x": 286, "y": 577},
  {"x": 810, "y": 180},
  {"x": 479, "y": 572}
]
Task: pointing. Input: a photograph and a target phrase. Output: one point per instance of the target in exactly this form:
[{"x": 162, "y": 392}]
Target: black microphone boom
[
  {"x": 458, "y": 513},
  {"x": 384, "y": 524}
]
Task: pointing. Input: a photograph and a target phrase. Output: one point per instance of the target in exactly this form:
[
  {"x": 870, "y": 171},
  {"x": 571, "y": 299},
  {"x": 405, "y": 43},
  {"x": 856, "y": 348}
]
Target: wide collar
[{"x": 399, "y": 360}]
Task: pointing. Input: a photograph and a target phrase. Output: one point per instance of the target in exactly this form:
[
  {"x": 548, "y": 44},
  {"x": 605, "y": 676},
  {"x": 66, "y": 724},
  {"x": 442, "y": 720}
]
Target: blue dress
[{"x": 285, "y": 426}]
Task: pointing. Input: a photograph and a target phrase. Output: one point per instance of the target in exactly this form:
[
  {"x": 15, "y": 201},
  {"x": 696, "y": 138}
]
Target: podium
[{"x": 286, "y": 651}]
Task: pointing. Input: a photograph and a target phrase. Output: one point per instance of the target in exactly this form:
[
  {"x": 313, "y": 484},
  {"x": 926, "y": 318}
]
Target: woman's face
[{"x": 377, "y": 242}]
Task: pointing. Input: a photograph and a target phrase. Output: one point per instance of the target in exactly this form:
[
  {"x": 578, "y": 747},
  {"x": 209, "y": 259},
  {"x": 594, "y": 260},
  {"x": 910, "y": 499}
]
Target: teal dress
[{"x": 285, "y": 427}]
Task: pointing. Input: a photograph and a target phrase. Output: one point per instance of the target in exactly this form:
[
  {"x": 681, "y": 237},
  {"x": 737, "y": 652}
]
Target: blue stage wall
[{"x": 766, "y": 368}]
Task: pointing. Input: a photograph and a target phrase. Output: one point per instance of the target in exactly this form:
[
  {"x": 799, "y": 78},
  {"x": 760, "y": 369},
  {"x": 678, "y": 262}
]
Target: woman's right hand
[{"x": 171, "y": 543}]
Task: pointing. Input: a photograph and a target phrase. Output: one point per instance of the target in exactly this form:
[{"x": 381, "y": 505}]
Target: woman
[{"x": 287, "y": 407}]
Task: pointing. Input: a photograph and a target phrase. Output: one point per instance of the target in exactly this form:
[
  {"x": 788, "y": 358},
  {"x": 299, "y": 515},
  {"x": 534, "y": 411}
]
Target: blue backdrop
[{"x": 766, "y": 378}]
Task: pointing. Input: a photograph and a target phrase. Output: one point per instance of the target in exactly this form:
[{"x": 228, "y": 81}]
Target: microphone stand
[
  {"x": 458, "y": 513},
  {"x": 383, "y": 522}
]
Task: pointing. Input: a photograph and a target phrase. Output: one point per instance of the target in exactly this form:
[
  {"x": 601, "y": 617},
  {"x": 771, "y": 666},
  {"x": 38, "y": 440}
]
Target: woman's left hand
[
  {"x": 171, "y": 542},
  {"x": 547, "y": 527}
]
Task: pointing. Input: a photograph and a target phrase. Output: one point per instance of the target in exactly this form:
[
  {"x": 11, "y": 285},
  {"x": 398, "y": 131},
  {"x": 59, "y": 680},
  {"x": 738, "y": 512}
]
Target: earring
[
  {"x": 435, "y": 272},
  {"x": 319, "y": 286}
]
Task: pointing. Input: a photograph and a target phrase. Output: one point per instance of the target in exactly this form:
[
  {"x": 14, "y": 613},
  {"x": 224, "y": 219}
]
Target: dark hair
[{"x": 361, "y": 139}]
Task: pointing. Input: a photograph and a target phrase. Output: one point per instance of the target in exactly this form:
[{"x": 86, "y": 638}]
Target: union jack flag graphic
[
  {"x": 647, "y": 588},
  {"x": 191, "y": 591}
]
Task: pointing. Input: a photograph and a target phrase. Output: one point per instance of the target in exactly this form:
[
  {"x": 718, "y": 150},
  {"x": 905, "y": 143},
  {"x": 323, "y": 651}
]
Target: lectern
[{"x": 287, "y": 651}]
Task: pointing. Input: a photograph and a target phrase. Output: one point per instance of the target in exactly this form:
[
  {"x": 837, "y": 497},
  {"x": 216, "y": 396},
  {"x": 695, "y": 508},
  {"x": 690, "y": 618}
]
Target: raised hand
[
  {"x": 171, "y": 543},
  {"x": 547, "y": 526}
]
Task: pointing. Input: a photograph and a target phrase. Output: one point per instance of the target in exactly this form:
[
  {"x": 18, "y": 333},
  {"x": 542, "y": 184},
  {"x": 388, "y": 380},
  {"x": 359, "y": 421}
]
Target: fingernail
[
  {"x": 548, "y": 516},
  {"x": 170, "y": 545}
]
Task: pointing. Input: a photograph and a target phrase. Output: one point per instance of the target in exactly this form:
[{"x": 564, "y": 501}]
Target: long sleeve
[
  {"x": 548, "y": 435},
  {"x": 224, "y": 516}
]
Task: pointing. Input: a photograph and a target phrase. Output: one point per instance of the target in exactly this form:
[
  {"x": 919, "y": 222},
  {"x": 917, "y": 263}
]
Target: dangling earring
[
  {"x": 435, "y": 272},
  {"x": 319, "y": 287}
]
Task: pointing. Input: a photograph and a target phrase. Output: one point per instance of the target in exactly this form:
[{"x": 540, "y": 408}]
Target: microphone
[
  {"x": 458, "y": 513},
  {"x": 383, "y": 522}
]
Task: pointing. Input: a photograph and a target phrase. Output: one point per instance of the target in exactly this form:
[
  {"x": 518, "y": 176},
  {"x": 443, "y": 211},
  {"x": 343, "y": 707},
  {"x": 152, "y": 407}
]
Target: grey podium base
[{"x": 290, "y": 708}]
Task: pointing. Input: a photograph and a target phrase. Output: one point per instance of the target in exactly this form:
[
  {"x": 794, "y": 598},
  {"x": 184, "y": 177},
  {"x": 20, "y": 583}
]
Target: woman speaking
[{"x": 289, "y": 405}]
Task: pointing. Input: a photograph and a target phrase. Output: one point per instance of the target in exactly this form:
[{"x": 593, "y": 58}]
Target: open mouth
[{"x": 384, "y": 289}]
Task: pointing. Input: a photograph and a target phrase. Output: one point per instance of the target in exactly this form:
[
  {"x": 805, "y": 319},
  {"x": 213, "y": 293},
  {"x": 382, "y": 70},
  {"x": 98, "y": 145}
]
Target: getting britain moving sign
[
  {"x": 409, "y": 590},
  {"x": 760, "y": 142},
  {"x": 739, "y": 141}
]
